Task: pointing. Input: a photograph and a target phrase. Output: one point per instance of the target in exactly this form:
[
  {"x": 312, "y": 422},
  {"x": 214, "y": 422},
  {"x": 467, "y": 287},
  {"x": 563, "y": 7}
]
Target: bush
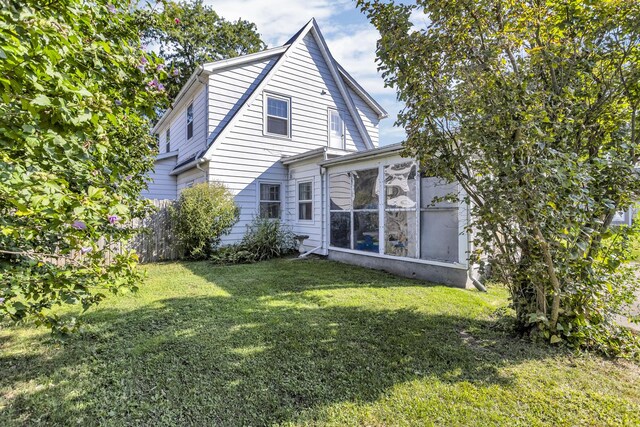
[
  {"x": 202, "y": 215},
  {"x": 265, "y": 239}
]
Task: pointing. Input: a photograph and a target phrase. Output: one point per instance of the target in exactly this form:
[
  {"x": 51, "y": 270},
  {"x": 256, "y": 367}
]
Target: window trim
[
  {"x": 167, "y": 140},
  {"x": 353, "y": 210},
  {"x": 343, "y": 139},
  {"x": 265, "y": 100},
  {"x": 298, "y": 201},
  {"x": 190, "y": 106},
  {"x": 259, "y": 199}
]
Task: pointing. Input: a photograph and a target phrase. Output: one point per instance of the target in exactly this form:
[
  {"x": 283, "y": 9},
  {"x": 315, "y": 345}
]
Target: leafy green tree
[
  {"x": 77, "y": 91},
  {"x": 201, "y": 216},
  {"x": 533, "y": 108},
  {"x": 189, "y": 34}
]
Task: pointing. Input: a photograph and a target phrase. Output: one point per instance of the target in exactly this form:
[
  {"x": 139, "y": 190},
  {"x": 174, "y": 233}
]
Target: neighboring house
[
  {"x": 625, "y": 217},
  {"x": 295, "y": 137}
]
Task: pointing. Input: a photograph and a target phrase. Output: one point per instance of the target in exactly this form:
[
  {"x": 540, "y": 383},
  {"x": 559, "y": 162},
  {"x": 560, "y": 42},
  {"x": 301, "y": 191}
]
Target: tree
[
  {"x": 189, "y": 34},
  {"x": 533, "y": 108},
  {"x": 77, "y": 94},
  {"x": 201, "y": 216}
]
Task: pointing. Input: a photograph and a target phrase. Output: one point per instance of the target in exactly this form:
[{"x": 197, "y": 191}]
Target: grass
[
  {"x": 635, "y": 248},
  {"x": 302, "y": 343}
]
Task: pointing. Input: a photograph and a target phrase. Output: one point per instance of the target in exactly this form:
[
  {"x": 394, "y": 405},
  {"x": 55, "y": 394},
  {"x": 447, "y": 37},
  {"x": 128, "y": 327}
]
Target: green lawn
[
  {"x": 635, "y": 249},
  {"x": 302, "y": 342}
]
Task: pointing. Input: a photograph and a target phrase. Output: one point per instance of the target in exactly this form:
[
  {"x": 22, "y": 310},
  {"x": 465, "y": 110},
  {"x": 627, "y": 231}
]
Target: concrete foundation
[{"x": 451, "y": 276}]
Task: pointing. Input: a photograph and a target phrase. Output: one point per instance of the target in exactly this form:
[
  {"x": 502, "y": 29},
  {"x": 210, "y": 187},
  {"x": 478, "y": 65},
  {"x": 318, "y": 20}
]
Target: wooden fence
[{"x": 155, "y": 241}]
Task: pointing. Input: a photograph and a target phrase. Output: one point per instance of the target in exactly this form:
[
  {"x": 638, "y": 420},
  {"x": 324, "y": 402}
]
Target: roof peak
[{"x": 295, "y": 36}]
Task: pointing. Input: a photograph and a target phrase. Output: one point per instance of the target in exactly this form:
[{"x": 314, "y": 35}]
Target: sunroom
[{"x": 384, "y": 213}]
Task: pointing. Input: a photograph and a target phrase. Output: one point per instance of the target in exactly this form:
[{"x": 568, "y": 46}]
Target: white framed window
[
  {"x": 270, "y": 200},
  {"x": 277, "y": 117},
  {"x": 167, "y": 140},
  {"x": 354, "y": 210},
  {"x": 305, "y": 200},
  {"x": 336, "y": 129},
  {"x": 190, "y": 121}
]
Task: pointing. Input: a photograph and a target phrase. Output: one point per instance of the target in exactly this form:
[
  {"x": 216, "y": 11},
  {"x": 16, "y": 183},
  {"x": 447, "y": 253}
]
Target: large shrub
[
  {"x": 264, "y": 239},
  {"x": 202, "y": 215},
  {"x": 77, "y": 95},
  {"x": 533, "y": 107}
]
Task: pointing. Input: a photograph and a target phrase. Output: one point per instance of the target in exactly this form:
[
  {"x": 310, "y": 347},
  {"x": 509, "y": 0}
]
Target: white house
[{"x": 295, "y": 137}]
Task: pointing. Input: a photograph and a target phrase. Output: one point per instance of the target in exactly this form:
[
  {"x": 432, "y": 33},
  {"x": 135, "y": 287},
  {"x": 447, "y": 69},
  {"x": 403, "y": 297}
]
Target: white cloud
[{"x": 277, "y": 20}]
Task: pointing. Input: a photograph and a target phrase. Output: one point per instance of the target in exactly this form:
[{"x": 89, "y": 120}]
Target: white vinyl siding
[
  {"x": 177, "y": 125},
  {"x": 229, "y": 89},
  {"x": 161, "y": 184},
  {"x": 368, "y": 117},
  {"x": 189, "y": 178}
]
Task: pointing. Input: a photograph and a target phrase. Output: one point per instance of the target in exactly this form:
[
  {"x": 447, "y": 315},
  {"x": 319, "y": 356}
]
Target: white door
[{"x": 336, "y": 130}]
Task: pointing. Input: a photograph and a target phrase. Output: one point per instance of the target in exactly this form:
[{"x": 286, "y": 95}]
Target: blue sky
[{"x": 350, "y": 36}]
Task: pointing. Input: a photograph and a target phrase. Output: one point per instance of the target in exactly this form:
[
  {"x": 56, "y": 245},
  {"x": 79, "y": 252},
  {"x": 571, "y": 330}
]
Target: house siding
[
  {"x": 368, "y": 116},
  {"x": 229, "y": 89},
  {"x": 161, "y": 184},
  {"x": 244, "y": 157},
  {"x": 177, "y": 122},
  {"x": 304, "y": 172},
  {"x": 191, "y": 177}
]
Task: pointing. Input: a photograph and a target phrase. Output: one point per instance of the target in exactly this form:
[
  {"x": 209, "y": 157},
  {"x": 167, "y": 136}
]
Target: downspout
[
  {"x": 310, "y": 251},
  {"x": 199, "y": 162},
  {"x": 479, "y": 286},
  {"x": 323, "y": 207}
]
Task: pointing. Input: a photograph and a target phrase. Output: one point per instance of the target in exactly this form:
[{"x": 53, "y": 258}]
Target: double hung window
[{"x": 277, "y": 115}]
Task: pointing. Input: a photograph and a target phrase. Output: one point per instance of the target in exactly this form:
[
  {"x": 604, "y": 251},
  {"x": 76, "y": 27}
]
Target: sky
[{"x": 350, "y": 36}]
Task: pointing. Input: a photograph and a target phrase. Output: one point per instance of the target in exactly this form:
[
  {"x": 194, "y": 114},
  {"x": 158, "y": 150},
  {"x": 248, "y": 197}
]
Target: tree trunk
[{"x": 553, "y": 278}]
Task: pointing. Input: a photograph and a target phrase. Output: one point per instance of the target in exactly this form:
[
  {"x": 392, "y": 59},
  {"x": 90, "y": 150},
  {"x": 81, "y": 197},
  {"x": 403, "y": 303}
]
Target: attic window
[
  {"x": 277, "y": 115},
  {"x": 168, "y": 140},
  {"x": 190, "y": 121}
]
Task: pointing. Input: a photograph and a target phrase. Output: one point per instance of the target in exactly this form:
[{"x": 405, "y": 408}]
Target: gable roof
[
  {"x": 341, "y": 78},
  {"x": 210, "y": 68},
  {"x": 353, "y": 84},
  {"x": 310, "y": 27}
]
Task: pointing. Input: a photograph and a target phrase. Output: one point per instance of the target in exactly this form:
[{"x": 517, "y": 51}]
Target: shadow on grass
[{"x": 265, "y": 354}]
